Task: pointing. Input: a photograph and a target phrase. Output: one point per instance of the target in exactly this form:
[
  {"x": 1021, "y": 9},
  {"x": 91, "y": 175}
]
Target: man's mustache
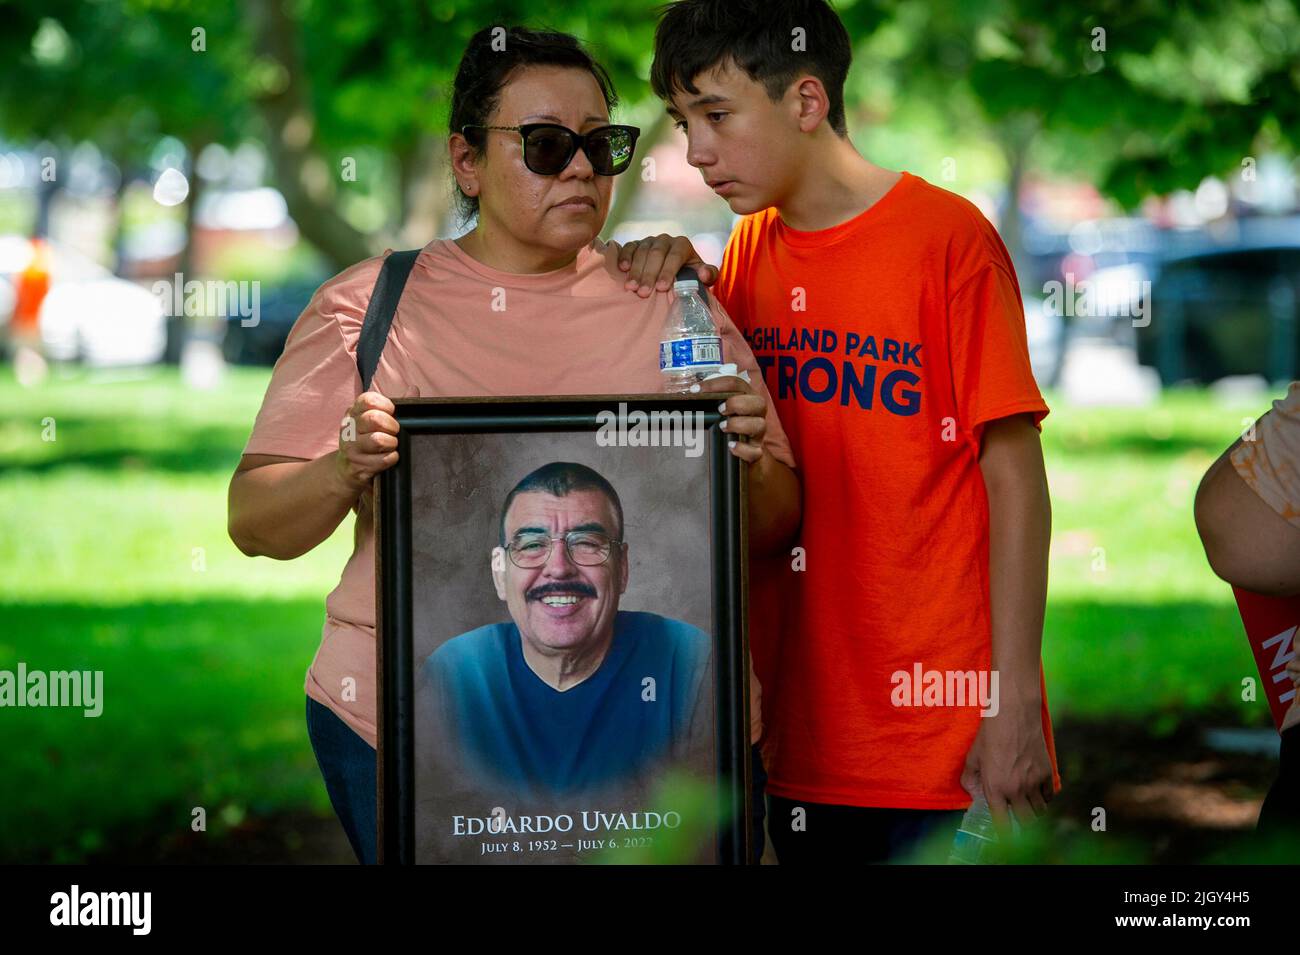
[{"x": 580, "y": 589}]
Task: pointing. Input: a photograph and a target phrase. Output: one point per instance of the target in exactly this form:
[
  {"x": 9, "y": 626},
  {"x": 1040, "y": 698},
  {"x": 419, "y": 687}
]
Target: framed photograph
[{"x": 562, "y": 667}]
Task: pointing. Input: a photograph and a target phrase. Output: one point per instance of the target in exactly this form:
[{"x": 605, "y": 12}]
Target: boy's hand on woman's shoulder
[{"x": 652, "y": 263}]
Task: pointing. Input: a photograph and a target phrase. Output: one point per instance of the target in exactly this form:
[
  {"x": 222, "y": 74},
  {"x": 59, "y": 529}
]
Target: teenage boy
[{"x": 899, "y": 645}]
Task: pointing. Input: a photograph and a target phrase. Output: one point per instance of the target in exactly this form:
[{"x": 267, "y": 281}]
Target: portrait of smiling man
[{"x": 572, "y": 694}]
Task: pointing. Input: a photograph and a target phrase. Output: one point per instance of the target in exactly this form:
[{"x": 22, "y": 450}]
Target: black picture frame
[{"x": 396, "y": 815}]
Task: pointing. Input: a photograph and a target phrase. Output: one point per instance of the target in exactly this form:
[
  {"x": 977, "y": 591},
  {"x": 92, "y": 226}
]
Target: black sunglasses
[{"x": 549, "y": 148}]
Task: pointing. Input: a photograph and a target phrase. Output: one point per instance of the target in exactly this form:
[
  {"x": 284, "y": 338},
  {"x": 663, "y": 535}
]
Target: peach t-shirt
[{"x": 571, "y": 331}]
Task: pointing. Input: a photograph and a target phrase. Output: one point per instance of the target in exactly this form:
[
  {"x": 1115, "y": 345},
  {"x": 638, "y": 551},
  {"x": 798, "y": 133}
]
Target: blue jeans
[{"x": 347, "y": 763}]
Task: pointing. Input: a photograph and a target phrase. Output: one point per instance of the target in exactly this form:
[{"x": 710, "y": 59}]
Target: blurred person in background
[
  {"x": 1248, "y": 515},
  {"x": 31, "y": 287}
]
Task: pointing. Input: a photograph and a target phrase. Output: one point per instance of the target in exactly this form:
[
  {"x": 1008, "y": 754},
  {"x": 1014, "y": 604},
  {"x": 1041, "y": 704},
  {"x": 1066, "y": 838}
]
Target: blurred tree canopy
[{"x": 1140, "y": 96}]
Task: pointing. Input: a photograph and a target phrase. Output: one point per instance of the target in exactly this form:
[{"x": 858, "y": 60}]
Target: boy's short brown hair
[{"x": 761, "y": 38}]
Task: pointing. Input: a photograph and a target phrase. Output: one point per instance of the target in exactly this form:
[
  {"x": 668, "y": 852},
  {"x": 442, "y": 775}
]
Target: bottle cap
[{"x": 687, "y": 280}]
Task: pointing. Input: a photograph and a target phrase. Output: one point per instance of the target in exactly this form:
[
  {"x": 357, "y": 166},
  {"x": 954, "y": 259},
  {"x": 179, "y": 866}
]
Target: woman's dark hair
[
  {"x": 760, "y": 37},
  {"x": 490, "y": 61}
]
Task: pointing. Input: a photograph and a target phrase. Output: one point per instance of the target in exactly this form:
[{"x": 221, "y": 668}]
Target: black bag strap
[{"x": 379, "y": 313}]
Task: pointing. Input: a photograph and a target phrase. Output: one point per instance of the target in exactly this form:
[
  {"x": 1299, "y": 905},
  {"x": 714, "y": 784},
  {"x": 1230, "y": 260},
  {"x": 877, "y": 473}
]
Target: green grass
[
  {"x": 1137, "y": 624},
  {"x": 114, "y": 556}
]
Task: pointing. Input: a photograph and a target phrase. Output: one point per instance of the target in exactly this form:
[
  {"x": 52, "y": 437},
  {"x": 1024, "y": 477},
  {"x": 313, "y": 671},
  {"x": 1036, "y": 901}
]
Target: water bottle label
[{"x": 690, "y": 353}]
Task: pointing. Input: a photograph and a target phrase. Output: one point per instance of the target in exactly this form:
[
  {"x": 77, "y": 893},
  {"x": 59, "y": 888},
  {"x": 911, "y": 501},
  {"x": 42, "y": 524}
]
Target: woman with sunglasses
[{"x": 525, "y": 302}]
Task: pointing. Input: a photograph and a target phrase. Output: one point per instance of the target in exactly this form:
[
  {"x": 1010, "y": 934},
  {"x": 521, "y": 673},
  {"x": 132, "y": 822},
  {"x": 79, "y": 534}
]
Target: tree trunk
[
  {"x": 1016, "y": 135},
  {"x": 180, "y": 327},
  {"x": 126, "y": 173},
  {"x": 424, "y": 181},
  {"x": 46, "y": 190},
  {"x": 186, "y": 267},
  {"x": 305, "y": 179}
]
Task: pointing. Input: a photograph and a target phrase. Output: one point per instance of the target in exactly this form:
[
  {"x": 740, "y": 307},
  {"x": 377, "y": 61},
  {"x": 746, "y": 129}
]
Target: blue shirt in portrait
[{"x": 512, "y": 728}]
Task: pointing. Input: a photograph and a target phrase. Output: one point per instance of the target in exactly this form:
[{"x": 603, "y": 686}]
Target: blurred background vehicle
[
  {"x": 86, "y": 314},
  {"x": 261, "y": 344},
  {"x": 1225, "y": 303}
]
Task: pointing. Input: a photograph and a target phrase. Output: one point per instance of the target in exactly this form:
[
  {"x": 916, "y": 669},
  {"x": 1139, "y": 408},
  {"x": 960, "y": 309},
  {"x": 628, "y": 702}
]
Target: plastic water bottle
[
  {"x": 976, "y": 835},
  {"x": 690, "y": 347}
]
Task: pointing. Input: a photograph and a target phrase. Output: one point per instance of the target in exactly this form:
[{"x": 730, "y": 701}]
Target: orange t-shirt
[
  {"x": 886, "y": 342},
  {"x": 573, "y": 331}
]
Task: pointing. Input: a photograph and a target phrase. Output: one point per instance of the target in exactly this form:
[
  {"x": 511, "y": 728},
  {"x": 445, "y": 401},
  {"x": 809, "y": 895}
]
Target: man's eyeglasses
[
  {"x": 549, "y": 147},
  {"x": 587, "y": 548}
]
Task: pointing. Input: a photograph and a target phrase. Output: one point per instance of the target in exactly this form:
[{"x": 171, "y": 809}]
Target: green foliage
[
  {"x": 695, "y": 802},
  {"x": 377, "y": 74},
  {"x": 122, "y": 74},
  {"x": 1177, "y": 93}
]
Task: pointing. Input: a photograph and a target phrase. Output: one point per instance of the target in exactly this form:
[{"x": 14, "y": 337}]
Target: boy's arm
[
  {"x": 775, "y": 505},
  {"x": 1009, "y": 756},
  {"x": 775, "y": 508}
]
